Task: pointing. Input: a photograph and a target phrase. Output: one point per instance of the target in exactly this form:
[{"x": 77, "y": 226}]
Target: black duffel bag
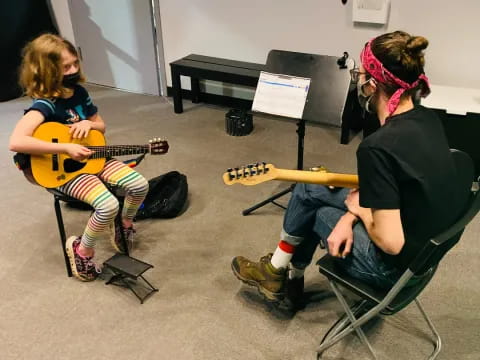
[{"x": 166, "y": 196}]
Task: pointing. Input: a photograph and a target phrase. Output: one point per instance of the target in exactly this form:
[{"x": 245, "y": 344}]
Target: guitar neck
[
  {"x": 317, "y": 177},
  {"x": 118, "y": 150}
]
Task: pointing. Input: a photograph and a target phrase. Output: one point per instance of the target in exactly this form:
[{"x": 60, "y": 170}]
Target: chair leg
[
  {"x": 354, "y": 326},
  {"x": 438, "y": 340},
  {"x": 118, "y": 223},
  {"x": 61, "y": 230},
  {"x": 344, "y": 321}
]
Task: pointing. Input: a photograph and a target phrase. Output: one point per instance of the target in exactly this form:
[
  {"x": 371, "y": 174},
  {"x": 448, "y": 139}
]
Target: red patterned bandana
[{"x": 375, "y": 68}]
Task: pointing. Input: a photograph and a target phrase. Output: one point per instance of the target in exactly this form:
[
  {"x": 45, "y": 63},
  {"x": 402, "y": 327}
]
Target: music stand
[{"x": 327, "y": 99}]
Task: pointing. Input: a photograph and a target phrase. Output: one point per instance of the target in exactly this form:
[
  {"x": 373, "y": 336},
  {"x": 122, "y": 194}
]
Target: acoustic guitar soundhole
[{"x": 70, "y": 165}]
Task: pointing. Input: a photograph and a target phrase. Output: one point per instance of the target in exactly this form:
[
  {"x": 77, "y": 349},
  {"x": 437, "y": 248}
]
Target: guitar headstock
[
  {"x": 158, "y": 146},
  {"x": 251, "y": 174}
]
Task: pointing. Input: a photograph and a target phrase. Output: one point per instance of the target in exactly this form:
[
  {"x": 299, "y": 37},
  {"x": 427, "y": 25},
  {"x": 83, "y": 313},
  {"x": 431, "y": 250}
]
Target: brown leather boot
[{"x": 269, "y": 281}]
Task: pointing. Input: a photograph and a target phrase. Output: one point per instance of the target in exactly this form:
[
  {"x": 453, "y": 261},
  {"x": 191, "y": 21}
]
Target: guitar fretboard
[{"x": 117, "y": 150}]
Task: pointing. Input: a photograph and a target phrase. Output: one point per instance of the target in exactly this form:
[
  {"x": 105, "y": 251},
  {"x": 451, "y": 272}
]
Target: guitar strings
[{"x": 117, "y": 150}]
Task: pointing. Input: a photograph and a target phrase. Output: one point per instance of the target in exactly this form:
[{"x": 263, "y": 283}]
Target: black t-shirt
[
  {"x": 407, "y": 165},
  {"x": 66, "y": 111}
]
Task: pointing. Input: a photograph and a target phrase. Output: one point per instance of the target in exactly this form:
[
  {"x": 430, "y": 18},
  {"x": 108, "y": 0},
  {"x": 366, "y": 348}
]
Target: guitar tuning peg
[
  {"x": 265, "y": 168},
  {"x": 244, "y": 172},
  {"x": 150, "y": 141}
]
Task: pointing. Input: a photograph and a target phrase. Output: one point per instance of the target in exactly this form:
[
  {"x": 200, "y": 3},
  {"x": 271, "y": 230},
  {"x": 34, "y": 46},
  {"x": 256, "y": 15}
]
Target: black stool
[{"x": 124, "y": 269}]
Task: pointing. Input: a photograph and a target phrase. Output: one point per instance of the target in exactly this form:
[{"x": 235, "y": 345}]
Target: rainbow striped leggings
[{"x": 92, "y": 190}]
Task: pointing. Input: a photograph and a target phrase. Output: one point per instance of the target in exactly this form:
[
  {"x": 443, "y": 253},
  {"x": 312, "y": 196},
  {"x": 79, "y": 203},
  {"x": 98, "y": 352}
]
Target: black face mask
[{"x": 71, "y": 80}]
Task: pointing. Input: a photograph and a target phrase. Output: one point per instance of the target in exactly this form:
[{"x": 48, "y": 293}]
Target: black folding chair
[
  {"x": 376, "y": 301},
  {"x": 59, "y": 196}
]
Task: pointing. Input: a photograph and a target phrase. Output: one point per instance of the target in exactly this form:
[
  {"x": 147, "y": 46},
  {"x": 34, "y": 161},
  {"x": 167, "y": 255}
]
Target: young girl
[{"x": 50, "y": 73}]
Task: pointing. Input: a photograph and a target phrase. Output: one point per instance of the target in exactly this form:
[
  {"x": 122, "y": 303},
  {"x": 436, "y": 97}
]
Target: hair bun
[{"x": 416, "y": 44}]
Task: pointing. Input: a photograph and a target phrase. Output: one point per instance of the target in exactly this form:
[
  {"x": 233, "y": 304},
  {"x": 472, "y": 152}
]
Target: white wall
[
  {"x": 246, "y": 30},
  {"x": 61, "y": 13}
]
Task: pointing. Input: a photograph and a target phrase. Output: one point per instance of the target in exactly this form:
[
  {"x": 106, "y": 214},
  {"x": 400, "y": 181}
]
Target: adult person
[{"x": 406, "y": 184}]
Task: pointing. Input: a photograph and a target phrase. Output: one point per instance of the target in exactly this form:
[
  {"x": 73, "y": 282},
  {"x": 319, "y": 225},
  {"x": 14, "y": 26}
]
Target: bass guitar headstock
[
  {"x": 158, "y": 146},
  {"x": 251, "y": 174}
]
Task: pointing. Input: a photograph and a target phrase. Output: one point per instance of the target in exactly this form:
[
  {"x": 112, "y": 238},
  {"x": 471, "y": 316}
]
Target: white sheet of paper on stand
[{"x": 282, "y": 95}]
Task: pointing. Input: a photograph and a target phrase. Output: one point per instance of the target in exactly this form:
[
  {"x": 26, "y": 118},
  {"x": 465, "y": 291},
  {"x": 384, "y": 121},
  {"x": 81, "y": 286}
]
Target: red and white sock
[{"x": 282, "y": 255}]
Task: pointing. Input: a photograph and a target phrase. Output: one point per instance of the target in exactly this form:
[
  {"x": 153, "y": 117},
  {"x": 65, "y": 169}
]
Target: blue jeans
[{"x": 312, "y": 213}]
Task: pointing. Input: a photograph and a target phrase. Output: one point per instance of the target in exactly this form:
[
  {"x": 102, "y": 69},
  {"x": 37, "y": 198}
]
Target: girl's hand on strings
[{"x": 78, "y": 152}]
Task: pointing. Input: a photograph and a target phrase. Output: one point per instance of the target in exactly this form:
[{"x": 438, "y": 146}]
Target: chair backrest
[{"x": 439, "y": 245}]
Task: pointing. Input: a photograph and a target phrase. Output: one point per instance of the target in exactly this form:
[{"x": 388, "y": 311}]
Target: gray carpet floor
[{"x": 201, "y": 310}]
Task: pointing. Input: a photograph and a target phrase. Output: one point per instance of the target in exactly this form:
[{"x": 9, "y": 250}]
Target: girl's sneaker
[
  {"x": 83, "y": 268},
  {"x": 116, "y": 239}
]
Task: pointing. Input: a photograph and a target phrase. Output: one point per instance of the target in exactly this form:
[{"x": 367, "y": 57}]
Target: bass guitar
[
  {"x": 53, "y": 170},
  {"x": 254, "y": 174}
]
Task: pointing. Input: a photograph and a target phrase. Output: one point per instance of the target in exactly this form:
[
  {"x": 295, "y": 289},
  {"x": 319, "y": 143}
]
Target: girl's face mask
[{"x": 70, "y": 80}]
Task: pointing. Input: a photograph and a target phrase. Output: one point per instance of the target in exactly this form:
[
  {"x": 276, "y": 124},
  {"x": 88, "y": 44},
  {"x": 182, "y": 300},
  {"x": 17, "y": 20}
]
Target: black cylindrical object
[{"x": 238, "y": 122}]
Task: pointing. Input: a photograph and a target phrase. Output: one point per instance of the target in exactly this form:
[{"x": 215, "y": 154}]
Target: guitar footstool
[{"x": 126, "y": 271}]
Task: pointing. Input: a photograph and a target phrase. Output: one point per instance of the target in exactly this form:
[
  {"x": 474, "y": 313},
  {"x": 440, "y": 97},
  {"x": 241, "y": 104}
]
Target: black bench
[{"x": 210, "y": 68}]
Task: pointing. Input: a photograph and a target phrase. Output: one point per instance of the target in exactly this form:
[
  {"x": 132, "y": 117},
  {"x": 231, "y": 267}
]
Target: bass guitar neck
[{"x": 254, "y": 174}]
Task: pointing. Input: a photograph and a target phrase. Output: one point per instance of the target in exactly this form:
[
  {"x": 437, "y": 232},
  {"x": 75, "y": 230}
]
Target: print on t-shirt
[{"x": 72, "y": 116}]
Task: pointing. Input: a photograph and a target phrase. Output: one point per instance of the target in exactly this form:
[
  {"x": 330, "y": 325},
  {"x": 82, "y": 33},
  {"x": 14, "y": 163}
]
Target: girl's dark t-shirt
[{"x": 66, "y": 111}]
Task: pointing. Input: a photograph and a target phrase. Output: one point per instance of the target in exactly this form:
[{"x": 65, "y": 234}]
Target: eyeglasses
[{"x": 355, "y": 74}]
